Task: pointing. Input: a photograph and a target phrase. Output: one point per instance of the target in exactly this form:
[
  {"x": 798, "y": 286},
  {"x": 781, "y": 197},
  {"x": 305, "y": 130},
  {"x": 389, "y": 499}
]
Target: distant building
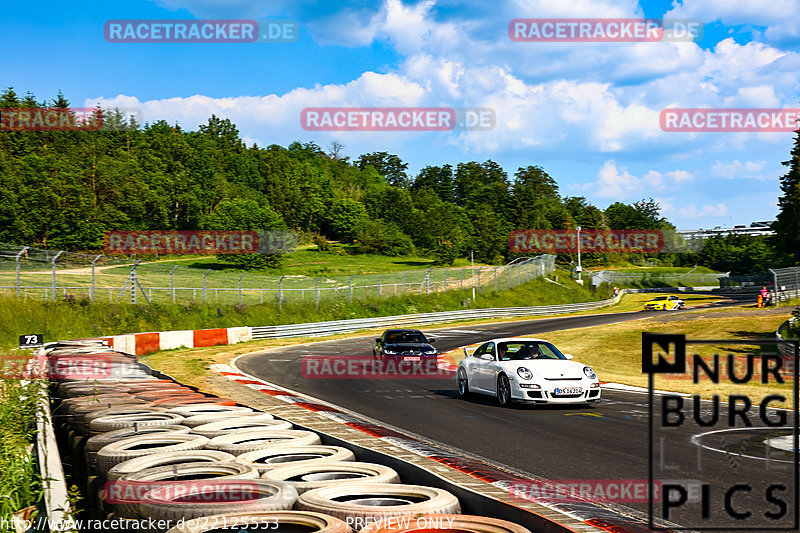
[{"x": 754, "y": 229}]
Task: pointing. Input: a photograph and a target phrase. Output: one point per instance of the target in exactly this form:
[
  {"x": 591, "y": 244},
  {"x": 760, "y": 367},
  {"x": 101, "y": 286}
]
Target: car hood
[
  {"x": 400, "y": 346},
  {"x": 549, "y": 368}
]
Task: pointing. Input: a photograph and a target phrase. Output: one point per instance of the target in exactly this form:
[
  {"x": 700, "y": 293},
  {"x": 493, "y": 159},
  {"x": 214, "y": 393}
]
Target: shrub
[{"x": 381, "y": 237}]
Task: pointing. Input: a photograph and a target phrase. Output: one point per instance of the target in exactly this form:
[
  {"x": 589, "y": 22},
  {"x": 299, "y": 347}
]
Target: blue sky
[{"x": 586, "y": 112}]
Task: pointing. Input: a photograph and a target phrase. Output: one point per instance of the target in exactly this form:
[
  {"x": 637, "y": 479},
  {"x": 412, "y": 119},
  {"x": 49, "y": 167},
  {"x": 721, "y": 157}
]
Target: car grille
[{"x": 563, "y": 379}]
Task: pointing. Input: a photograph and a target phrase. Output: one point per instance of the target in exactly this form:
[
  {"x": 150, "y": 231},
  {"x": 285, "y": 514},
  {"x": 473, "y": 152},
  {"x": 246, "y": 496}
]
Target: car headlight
[
  {"x": 589, "y": 372},
  {"x": 524, "y": 373},
  {"x": 389, "y": 352}
]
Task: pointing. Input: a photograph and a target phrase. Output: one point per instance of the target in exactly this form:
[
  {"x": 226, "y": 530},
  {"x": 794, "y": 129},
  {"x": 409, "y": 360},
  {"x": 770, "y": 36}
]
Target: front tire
[
  {"x": 503, "y": 391},
  {"x": 463, "y": 383}
]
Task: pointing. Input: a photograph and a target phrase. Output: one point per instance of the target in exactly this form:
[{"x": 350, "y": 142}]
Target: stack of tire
[{"x": 148, "y": 448}]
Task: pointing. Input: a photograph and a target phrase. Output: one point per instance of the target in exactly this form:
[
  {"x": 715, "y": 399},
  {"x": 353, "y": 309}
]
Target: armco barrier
[
  {"x": 149, "y": 342},
  {"x": 319, "y": 329},
  {"x": 784, "y": 348}
]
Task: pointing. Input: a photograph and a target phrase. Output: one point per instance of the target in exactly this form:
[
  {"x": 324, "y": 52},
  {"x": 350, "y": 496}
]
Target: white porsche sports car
[{"x": 526, "y": 370}]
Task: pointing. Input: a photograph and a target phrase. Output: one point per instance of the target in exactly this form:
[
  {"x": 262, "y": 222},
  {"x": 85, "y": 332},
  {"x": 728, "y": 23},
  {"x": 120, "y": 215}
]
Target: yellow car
[{"x": 664, "y": 303}]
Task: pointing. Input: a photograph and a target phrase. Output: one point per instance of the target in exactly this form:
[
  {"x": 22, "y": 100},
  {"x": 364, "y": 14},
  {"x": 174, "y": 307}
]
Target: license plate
[
  {"x": 567, "y": 392},
  {"x": 415, "y": 358}
]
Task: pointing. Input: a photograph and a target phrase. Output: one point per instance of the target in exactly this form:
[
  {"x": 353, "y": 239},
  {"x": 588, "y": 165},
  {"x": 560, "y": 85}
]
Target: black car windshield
[
  {"x": 405, "y": 336},
  {"x": 525, "y": 351},
  {"x": 657, "y": 298}
]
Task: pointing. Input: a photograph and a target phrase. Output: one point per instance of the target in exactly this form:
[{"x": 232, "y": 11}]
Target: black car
[{"x": 404, "y": 345}]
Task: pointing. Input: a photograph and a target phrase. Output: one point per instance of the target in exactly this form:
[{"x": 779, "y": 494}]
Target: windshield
[
  {"x": 657, "y": 298},
  {"x": 525, "y": 351},
  {"x": 405, "y": 336}
]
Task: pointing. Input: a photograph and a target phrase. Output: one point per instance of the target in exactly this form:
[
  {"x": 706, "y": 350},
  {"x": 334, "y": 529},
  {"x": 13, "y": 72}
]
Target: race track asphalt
[{"x": 608, "y": 441}]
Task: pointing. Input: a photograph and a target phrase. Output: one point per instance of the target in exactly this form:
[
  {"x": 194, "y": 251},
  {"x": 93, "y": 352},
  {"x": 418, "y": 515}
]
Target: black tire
[
  {"x": 252, "y": 495},
  {"x": 463, "y": 383},
  {"x": 238, "y": 425},
  {"x": 503, "y": 391},
  {"x": 249, "y": 441},
  {"x": 125, "y": 449},
  {"x": 277, "y": 456},
  {"x": 366, "y": 503},
  {"x": 305, "y": 477},
  {"x": 166, "y": 459}
]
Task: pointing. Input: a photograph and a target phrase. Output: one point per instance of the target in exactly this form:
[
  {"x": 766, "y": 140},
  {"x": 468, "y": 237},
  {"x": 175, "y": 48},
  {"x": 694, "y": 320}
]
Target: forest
[{"x": 66, "y": 189}]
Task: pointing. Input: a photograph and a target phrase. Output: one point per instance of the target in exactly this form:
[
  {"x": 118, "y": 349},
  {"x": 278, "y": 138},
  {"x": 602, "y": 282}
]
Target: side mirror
[
  {"x": 487, "y": 357},
  {"x": 431, "y": 340},
  {"x": 378, "y": 339},
  {"x": 568, "y": 355}
]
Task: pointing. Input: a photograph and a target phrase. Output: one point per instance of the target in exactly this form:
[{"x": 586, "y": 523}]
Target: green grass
[
  {"x": 303, "y": 270},
  {"x": 80, "y": 318},
  {"x": 20, "y": 483}
]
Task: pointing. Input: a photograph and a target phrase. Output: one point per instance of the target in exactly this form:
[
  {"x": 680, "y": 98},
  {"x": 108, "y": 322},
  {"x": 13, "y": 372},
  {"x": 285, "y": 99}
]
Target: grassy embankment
[{"x": 74, "y": 319}]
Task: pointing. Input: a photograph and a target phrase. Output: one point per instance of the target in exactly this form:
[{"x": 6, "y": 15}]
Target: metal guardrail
[
  {"x": 786, "y": 349},
  {"x": 319, "y": 329}
]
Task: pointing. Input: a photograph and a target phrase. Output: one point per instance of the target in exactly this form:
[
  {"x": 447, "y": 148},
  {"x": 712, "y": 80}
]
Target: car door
[
  {"x": 473, "y": 364},
  {"x": 486, "y": 370}
]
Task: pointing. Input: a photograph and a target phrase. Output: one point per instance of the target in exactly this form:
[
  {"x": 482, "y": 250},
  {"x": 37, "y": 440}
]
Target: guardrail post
[
  {"x": 495, "y": 279},
  {"x": 445, "y": 279},
  {"x": 91, "y": 291},
  {"x": 204, "y": 284},
  {"x": 280, "y": 293},
  {"x": 350, "y": 287},
  {"x": 461, "y": 277},
  {"x": 54, "y": 273},
  {"x": 380, "y": 291},
  {"x": 404, "y": 281},
  {"x": 775, "y": 299},
  {"x": 19, "y": 254},
  {"x": 316, "y": 293},
  {"x": 240, "y": 287},
  {"x": 172, "y": 284}
]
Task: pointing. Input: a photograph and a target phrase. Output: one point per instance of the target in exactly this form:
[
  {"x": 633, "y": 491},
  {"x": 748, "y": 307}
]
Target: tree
[
  {"x": 787, "y": 225},
  {"x": 344, "y": 215},
  {"x": 437, "y": 179},
  {"x": 240, "y": 214},
  {"x": 387, "y": 165},
  {"x": 380, "y": 237}
]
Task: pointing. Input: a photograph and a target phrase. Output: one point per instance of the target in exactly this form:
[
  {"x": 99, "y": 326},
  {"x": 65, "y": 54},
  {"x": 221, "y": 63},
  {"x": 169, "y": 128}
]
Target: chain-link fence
[
  {"x": 48, "y": 274},
  {"x": 692, "y": 278},
  {"x": 785, "y": 284}
]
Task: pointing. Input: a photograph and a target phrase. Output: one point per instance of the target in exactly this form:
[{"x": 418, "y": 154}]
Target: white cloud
[
  {"x": 616, "y": 183},
  {"x": 692, "y": 211},
  {"x": 781, "y": 17},
  {"x": 739, "y": 170}
]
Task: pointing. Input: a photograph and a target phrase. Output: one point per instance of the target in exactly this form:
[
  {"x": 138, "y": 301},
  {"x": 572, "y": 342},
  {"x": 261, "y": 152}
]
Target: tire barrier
[
  {"x": 207, "y": 418},
  {"x": 250, "y": 441},
  {"x": 366, "y": 503},
  {"x": 132, "y": 447},
  {"x": 166, "y": 459},
  {"x": 249, "y": 496},
  {"x": 334, "y": 473},
  {"x": 225, "y": 427},
  {"x": 155, "y": 441},
  {"x": 268, "y": 458}
]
